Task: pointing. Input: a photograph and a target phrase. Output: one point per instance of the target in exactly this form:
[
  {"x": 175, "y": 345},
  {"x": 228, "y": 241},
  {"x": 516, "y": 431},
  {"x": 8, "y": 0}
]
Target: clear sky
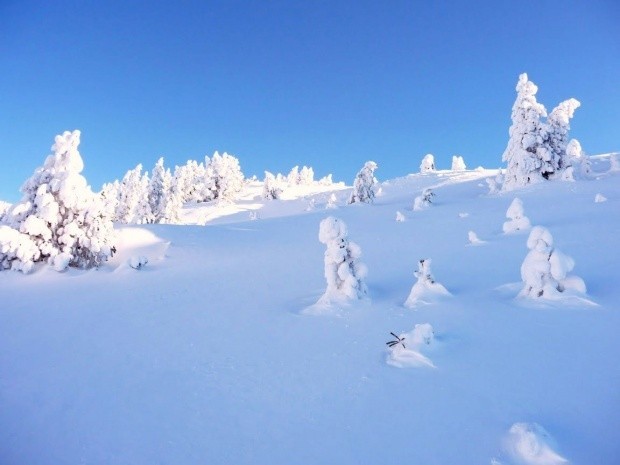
[{"x": 329, "y": 84}]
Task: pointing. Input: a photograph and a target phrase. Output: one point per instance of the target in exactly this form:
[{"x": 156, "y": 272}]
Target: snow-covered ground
[{"x": 205, "y": 356}]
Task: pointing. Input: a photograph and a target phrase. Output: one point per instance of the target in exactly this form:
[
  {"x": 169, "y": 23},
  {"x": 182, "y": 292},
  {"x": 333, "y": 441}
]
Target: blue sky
[{"x": 329, "y": 84}]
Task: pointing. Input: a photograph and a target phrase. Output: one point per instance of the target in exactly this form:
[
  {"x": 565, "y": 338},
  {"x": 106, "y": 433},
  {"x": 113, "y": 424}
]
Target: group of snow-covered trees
[
  {"x": 274, "y": 185},
  {"x": 138, "y": 198},
  {"x": 59, "y": 219},
  {"x": 539, "y": 149}
]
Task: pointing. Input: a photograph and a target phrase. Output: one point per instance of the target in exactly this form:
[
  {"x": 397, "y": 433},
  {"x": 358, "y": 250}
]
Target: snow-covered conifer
[
  {"x": 224, "y": 177},
  {"x": 129, "y": 194},
  {"x": 577, "y": 159},
  {"x": 458, "y": 164},
  {"x": 271, "y": 189},
  {"x": 524, "y": 164},
  {"x": 326, "y": 180},
  {"x": 158, "y": 188},
  {"x": 423, "y": 201},
  {"x": 555, "y": 137},
  {"x": 4, "y": 208},
  {"x": 59, "y": 218},
  {"x": 425, "y": 289},
  {"x": 306, "y": 176},
  {"x": 343, "y": 271},
  {"x": 518, "y": 220},
  {"x": 293, "y": 176},
  {"x": 110, "y": 197},
  {"x": 428, "y": 163},
  {"x": 172, "y": 202},
  {"x": 544, "y": 270},
  {"x": 364, "y": 184},
  {"x": 332, "y": 202}
]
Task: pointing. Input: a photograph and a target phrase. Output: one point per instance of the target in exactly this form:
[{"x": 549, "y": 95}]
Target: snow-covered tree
[
  {"x": 577, "y": 159},
  {"x": 133, "y": 203},
  {"x": 555, "y": 137},
  {"x": 59, "y": 219},
  {"x": 517, "y": 219},
  {"x": 544, "y": 270},
  {"x": 158, "y": 188},
  {"x": 110, "y": 197},
  {"x": 170, "y": 208},
  {"x": 524, "y": 163},
  {"x": 223, "y": 177},
  {"x": 306, "y": 176},
  {"x": 271, "y": 189},
  {"x": 428, "y": 163},
  {"x": 426, "y": 288},
  {"x": 399, "y": 217},
  {"x": 364, "y": 184},
  {"x": 326, "y": 180},
  {"x": 293, "y": 176},
  {"x": 458, "y": 164},
  {"x": 4, "y": 208},
  {"x": 343, "y": 271},
  {"x": 332, "y": 202},
  {"x": 423, "y": 201}
]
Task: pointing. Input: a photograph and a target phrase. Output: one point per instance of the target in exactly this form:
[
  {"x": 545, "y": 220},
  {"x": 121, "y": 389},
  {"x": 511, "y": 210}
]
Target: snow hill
[{"x": 204, "y": 355}]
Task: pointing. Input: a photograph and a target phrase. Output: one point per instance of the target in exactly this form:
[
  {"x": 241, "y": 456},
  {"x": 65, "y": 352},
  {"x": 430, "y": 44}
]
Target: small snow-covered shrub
[
  {"x": 423, "y": 201},
  {"x": 364, "y": 184},
  {"x": 59, "y": 219},
  {"x": 332, "y": 202},
  {"x": 599, "y": 198},
  {"x": 406, "y": 349},
  {"x": 531, "y": 444},
  {"x": 271, "y": 189},
  {"x": 545, "y": 269},
  {"x": 458, "y": 164},
  {"x": 518, "y": 220},
  {"x": 425, "y": 289},
  {"x": 137, "y": 263},
  {"x": 473, "y": 238},
  {"x": 428, "y": 163},
  {"x": 400, "y": 217},
  {"x": 343, "y": 271}
]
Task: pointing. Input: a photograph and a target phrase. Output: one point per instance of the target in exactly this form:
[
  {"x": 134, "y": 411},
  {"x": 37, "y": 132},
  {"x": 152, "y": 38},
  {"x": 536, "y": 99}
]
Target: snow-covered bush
[
  {"x": 473, "y": 238},
  {"x": 399, "y": 217},
  {"x": 343, "y": 271},
  {"x": 223, "y": 177},
  {"x": 423, "y": 201},
  {"x": 428, "y": 163},
  {"x": 458, "y": 164},
  {"x": 59, "y": 218},
  {"x": 271, "y": 189},
  {"x": 408, "y": 351},
  {"x": 600, "y": 198},
  {"x": 425, "y": 289},
  {"x": 332, "y": 202},
  {"x": 518, "y": 220},
  {"x": 364, "y": 184},
  {"x": 544, "y": 270},
  {"x": 138, "y": 262},
  {"x": 531, "y": 444}
]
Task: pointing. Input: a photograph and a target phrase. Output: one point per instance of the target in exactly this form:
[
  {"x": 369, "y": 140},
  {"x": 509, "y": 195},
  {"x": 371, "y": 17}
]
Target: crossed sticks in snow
[{"x": 397, "y": 341}]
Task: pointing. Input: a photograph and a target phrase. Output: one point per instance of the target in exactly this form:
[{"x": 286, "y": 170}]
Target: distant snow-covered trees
[
  {"x": 223, "y": 177},
  {"x": 59, "y": 219},
  {"x": 517, "y": 219},
  {"x": 343, "y": 271},
  {"x": 458, "y": 164},
  {"x": 428, "y": 163},
  {"x": 364, "y": 184},
  {"x": 271, "y": 188},
  {"x": 544, "y": 270},
  {"x": 536, "y": 149}
]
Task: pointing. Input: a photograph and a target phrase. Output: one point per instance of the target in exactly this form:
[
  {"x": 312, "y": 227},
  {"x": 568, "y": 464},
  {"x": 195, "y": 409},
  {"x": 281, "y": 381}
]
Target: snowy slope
[{"x": 204, "y": 356}]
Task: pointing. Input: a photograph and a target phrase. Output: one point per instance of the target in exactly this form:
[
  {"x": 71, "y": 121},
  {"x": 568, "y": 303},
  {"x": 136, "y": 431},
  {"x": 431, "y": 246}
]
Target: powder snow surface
[{"x": 204, "y": 357}]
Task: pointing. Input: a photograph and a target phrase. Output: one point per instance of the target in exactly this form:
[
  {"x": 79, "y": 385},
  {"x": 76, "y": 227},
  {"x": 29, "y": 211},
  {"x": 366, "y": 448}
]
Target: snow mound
[
  {"x": 137, "y": 244},
  {"x": 408, "y": 352},
  {"x": 531, "y": 444},
  {"x": 426, "y": 290}
]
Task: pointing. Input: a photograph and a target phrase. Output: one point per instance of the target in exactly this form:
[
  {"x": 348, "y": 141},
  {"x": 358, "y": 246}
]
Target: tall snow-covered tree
[
  {"x": 343, "y": 271},
  {"x": 133, "y": 205},
  {"x": 458, "y": 164},
  {"x": 364, "y": 184},
  {"x": 555, "y": 137},
  {"x": 158, "y": 188},
  {"x": 306, "y": 176},
  {"x": 428, "y": 163},
  {"x": 172, "y": 201},
  {"x": 59, "y": 219},
  {"x": 524, "y": 164},
  {"x": 224, "y": 177},
  {"x": 293, "y": 176},
  {"x": 271, "y": 189}
]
